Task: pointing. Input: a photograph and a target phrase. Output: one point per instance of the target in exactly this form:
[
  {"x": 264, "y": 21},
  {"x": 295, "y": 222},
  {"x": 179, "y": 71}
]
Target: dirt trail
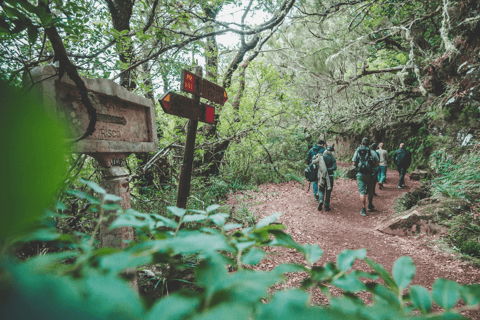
[{"x": 344, "y": 228}]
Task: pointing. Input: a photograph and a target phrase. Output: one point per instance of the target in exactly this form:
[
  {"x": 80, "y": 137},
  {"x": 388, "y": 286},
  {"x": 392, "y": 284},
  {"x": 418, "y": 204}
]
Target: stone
[
  {"x": 412, "y": 222},
  {"x": 419, "y": 175}
]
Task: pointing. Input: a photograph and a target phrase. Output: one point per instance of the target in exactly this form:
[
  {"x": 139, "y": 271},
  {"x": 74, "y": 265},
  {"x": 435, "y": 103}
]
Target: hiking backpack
[
  {"x": 365, "y": 161},
  {"x": 311, "y": 172},
  {"x": 400, "y": 156}
]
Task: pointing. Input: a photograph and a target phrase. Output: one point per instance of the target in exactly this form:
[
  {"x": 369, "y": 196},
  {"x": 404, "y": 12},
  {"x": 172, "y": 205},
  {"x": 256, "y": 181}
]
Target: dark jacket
[
  {"x": 330, "y": 162},
  {"x": 313, "y": 152},
  {"x": 406, "y": 161}
]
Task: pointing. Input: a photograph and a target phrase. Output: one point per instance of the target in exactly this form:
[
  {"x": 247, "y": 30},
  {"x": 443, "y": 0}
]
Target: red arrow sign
[
  {"x": 194, "y": 84},
  {"x": 178, "y": 105}
]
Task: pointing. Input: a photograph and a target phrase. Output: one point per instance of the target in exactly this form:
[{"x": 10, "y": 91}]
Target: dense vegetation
[{"x": 388, "y": 69}]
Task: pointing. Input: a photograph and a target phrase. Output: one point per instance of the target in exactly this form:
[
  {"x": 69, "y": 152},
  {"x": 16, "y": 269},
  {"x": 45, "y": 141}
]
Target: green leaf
[
  {"x": 112, "y": 197},
  {"x": 95, "y": 187},
  {"x": 383, "y": 273},
  {"x": 41, "y": 235},
  {"x": 253, "y": 256},
  {"x": 312, "y": 253},
  {"x": 230, "y": 226},
  {"x": 194, "y": 217},
  {"x": 349, "y": 283},
  {"x": 470, "y": 294},
  {"x": 233, "y": 311},
  {"x": 445, "y": 293},
  {"x": 321, "y": 273},
  {"x": 421, "y": 299},
  {"x": 112, "y": 206},
  {"x": 244, "y": 245},
  {"x": 219, "y": 218},
  {"x": 383, "y": 295},
  {"x": 168, "y": 222},
  {"x": 179, "y": 212},
  {"x": 347, "y": 257},
  {"x": 32, "y": 34},
  {"x": 83, "y": 195},
  {"x": 267, "y": 220},
  {"x": 178, "y": 305},
  {"x": 213, "y": 207},
  {"x": 285, "y": 240},
  {"x": 403, "y": 272}
]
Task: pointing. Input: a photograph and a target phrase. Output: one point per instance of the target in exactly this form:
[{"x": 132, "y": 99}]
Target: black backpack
[
  {"x": 311, "y": 172},
  {"x": 365, "y": 161},
  {"x": 401, "y": 153}
]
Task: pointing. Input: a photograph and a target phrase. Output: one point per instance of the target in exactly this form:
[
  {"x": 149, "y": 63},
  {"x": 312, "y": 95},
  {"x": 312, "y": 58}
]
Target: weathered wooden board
[{"x": 125, "y": 121}]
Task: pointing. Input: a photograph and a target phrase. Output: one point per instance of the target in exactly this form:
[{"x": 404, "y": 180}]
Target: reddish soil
[{"x": 344, "y": 228}]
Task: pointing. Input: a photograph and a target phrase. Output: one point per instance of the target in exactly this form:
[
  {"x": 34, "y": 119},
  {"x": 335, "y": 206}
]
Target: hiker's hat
[{"x": 365, "y": 141}]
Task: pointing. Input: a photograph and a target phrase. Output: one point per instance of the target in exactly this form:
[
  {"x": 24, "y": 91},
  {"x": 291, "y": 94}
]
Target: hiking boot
[
  {"x": 363, "y": 213},
  {"x": 380, "y": 185},
  {"x": 320, "y": 206},
  {"x": 375, "y": 195},
  {"x": 371, "y": 207},
  {"x": 400, "y": 187},
  {"x": 327, "y": 208}
]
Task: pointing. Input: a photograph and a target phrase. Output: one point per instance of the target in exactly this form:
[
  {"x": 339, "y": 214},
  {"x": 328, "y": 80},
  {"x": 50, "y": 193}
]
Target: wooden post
[{"x": 186, "y": 169}]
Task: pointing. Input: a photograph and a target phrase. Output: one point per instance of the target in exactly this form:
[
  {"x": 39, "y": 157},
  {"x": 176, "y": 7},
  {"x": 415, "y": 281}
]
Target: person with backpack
[
  {"x": 402, "y": 159},
  {"x": 325, "y": 191},
  {"x": 382, "y": 166},
  {"x": 318, "y": 148},
  {"x": 365, "y": 160},
  {"x": 375, "y": 170}
]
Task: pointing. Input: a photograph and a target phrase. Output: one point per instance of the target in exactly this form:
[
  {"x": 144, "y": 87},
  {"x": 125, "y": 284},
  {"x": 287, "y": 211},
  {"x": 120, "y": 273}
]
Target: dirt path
[{"x": 344, "y": 228}]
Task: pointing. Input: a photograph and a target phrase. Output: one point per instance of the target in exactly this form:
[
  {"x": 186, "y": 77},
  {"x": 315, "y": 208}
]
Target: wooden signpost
[
  {"x": 125, "y": 124},
  {"x": 192, "y": 109}
]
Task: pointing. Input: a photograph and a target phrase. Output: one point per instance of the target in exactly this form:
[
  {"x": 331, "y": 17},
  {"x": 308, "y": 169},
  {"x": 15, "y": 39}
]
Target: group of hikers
[{"x": 370, "y": 167}]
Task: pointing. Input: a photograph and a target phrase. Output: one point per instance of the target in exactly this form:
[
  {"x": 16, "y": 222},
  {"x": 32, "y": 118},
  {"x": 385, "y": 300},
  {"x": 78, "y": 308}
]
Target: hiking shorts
[{"x": 365, "y": 183}]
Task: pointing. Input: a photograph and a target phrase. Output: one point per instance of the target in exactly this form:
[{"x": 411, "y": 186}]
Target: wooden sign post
[
  {"x": 194, "y": 110},
  {"x": 125, "y": 124}
]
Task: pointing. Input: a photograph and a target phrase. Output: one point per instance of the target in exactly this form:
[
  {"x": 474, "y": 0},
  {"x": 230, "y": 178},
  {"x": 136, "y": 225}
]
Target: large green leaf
[
  {"x": 179, "y": 212},
  {"x": 383, "y": 294},
  {"x": 285, "y": 240},
  {"x": 312, "y": 253},
  {"x": 234, "y": 311},
  {"x": 349, "y": 283},
  {"x": 33, "y": 160},
  {"x": 383, "y": 273},
  {"x": 253, "y": 256},
  {"x": 176, "y": 306},
  {"x": 267, "y": 220},
  {"x": 347, "y": 257},
  {"x": 445, "y": 293},
  {"x": 470, "y": 294},
  {"x": 420, "y": 299},
  {"x": 194, "y": 217},
  {"x": 219, "y": 218},
  {"x": 403, "y": 272}
]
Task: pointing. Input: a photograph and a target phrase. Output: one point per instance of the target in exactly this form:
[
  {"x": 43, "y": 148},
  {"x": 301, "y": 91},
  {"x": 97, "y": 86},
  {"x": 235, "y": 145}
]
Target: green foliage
[
  {"x": 91, "y": 286},
  {"x": 458, "y": 174},
  {"x": 32, "y": 141}
]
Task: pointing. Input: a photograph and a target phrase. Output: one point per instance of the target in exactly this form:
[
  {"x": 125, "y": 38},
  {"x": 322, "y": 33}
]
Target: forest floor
[{"x": 344, "y": 228}]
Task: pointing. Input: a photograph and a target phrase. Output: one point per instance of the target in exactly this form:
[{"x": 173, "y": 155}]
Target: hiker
[
  {"x": 375, "y": 170},
  {"x": 323, "y": 191},
  {"x": 318, "y": 148},
  {"x": 402, "y": 159},
  {"x": 382, "y": 166},
  {"x": 365, "y": 160}
]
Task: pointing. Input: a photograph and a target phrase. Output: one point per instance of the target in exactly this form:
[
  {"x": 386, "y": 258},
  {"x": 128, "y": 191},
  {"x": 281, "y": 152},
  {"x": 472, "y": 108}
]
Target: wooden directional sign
[
  {"x": 178, "y": 105},
  {"x": 125, "y": 121},
  {"x": 194, "y": 84}
]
